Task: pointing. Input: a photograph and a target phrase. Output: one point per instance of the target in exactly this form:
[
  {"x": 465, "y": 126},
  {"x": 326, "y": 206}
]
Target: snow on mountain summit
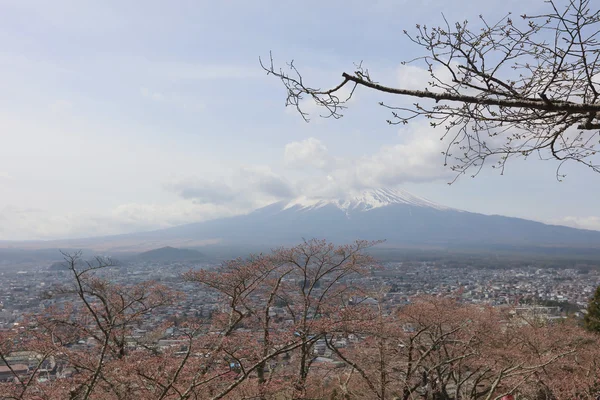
[
  {"x": 365, "y": 200},
  {"x": 375, "y": 198}
]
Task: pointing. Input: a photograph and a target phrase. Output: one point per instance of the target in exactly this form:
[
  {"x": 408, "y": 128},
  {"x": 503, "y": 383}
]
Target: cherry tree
[
  {"x": 436, "y": 348},
  {"x": 519, "y": 86},
  {"x": 276, "y": 314},
  {"x": 307, "y": 282}
]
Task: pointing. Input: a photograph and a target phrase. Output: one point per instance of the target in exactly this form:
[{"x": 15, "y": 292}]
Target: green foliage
[{"x": 592, "y": 318}]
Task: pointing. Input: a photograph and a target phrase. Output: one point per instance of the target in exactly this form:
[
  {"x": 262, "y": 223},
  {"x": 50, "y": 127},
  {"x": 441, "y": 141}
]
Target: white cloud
[
  {"x": 417, "y": 158},
  {"x": 588, "y": 222},
  {"x": 203, "y": 190},
  {"x": 154, "y": 216},
  {"x": 19, "y": 223},
  {"x": 199, "y": 200},
  {"x": 412, "y": 77},
  {"x": 248, "y": 187},
  {"x": 309, "y": 152},
  {"x": 265, "y": 181}
]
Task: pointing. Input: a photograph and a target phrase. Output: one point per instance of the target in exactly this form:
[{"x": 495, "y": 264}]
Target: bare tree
[
  {"x": 277, "y": 314},
  {"x": 513, "y": 88},
  {"x": 101, "y": 311},
  {"x": 308, "y": 281}
]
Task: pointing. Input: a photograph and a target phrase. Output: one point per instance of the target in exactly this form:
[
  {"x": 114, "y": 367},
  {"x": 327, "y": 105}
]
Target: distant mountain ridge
[
  {"x": 402, "y": 219},
  {"x": 399, "y": 217}
]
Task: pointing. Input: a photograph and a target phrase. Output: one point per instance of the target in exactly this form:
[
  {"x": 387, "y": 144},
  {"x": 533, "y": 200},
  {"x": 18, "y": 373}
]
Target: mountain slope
[
  {"x": 396, "y": 216},
  {"x": 402, "y": 219}
]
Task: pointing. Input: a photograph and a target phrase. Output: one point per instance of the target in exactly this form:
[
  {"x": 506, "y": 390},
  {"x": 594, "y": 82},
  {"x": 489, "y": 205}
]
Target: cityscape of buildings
[
  {"x": 552, "y": 293},
  {"x": 23, "y": 291}
]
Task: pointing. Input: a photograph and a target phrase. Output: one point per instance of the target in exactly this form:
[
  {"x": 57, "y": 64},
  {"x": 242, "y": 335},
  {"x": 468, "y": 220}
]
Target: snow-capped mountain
[
  {"x": 400, "y": 218},
  {"x": 396, "y": 216},
  {"x": 364, "y": 201}
]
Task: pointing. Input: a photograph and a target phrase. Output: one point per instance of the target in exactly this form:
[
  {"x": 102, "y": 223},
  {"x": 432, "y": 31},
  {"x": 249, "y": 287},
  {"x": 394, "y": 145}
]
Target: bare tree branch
[{"x": 498, "y": 91}]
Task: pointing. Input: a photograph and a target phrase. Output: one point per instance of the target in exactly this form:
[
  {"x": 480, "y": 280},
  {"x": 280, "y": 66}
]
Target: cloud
[
  {"x": 248, "y": 187},
  {"x": 203, "y": 190},
  {"x": 309, "y": 152},
  {"x": 20, "y": 223},
  {"x": 266, "y": 181},
  {"x": 412, "y": 77},
  {"x": 151, "y": 216},
  {"x": 587, "y": 222},
  {"x": 417, "y": 158},
  {"x": 199, "y": 200}
]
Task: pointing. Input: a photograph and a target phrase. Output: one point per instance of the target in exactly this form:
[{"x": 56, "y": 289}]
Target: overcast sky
[{"x": 121, "y": 116}]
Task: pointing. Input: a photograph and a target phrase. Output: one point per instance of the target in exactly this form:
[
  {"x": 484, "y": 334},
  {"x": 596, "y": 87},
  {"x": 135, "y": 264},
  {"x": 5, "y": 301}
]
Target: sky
[{"x": 119, "y": 117}]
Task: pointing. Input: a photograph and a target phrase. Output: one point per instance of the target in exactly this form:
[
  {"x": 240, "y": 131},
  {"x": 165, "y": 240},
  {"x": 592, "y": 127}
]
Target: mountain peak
[{"x": 365, "y": 200}]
